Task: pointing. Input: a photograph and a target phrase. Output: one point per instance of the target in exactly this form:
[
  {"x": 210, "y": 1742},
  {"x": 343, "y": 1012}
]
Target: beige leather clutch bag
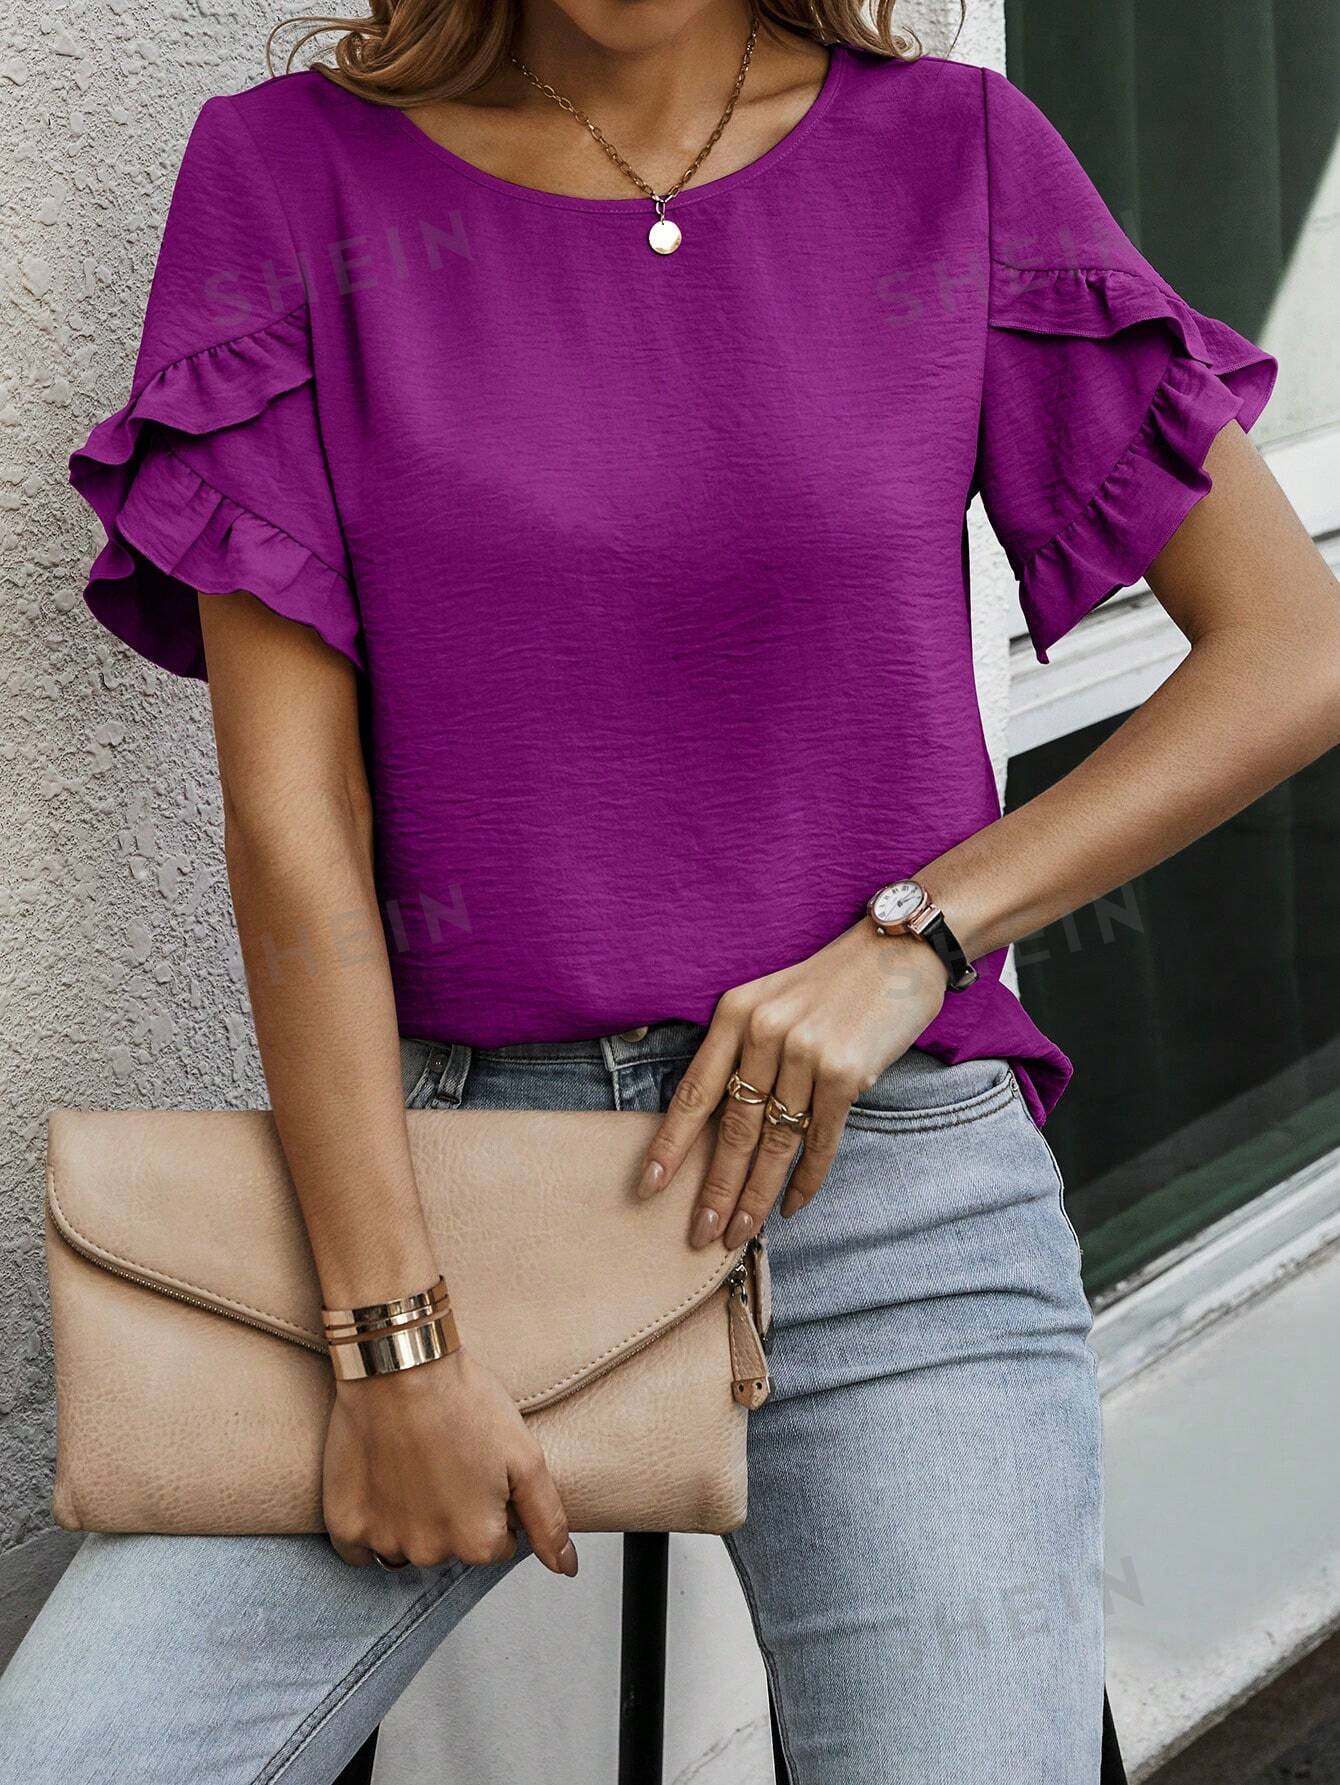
[{"x": 192, "y": 1381}]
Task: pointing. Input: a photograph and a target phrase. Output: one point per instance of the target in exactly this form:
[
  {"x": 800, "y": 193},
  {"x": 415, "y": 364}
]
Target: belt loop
[
  {"x": 611, "y": 1066},
  {"x": 455, "y": 1070},
  {"x": 620, "y": 1050}
]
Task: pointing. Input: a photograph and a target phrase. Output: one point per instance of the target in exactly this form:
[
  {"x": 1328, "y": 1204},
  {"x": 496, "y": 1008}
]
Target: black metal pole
[
  {"x": 359, "y": 1769},
  {"x": 646, "y": 1572},
  {"x": 646, "y": 1569},
  {"x": 780, "y": 1772},
  {"x": 1114, "y": 1766}
]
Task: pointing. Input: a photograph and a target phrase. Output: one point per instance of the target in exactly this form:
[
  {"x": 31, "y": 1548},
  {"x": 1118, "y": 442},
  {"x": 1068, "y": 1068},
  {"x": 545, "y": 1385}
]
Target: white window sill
[{"x": 1222, "y": 1466}]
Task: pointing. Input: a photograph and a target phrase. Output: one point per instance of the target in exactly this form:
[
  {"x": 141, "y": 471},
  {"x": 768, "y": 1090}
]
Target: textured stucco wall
[{"x": 120, "y": 981}]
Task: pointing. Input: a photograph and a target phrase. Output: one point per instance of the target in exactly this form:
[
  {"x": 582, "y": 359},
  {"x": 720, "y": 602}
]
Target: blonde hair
[{"x": 413, "y": 52}]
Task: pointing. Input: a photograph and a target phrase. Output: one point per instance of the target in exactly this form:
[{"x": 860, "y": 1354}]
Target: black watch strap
[{"x": 942, "y": 939}]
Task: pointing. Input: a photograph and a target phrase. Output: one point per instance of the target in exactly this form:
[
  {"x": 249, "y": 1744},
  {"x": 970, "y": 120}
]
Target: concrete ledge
[{"x": 1223, "y": 1546}]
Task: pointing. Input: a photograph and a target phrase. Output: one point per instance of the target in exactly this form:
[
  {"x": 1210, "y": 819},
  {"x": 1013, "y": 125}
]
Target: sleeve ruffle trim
[
  {"x": 170, "y": 532},
  {"x": 1214, "y": 375}
]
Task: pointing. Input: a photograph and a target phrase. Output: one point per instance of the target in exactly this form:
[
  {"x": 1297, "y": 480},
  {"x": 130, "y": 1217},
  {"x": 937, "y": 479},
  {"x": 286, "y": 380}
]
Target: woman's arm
[
  {"x": 421, "y": 1463},
  {"x": 1257, "y": 698},
  {"x": 298, "y": 845}
]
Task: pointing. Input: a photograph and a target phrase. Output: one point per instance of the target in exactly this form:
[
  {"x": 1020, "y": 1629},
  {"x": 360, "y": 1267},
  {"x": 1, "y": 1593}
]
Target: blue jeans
[{"x": 922, "y": 1556}]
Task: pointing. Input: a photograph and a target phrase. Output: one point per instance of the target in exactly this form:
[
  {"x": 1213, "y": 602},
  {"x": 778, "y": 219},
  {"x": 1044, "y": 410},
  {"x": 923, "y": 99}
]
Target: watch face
[{"x": 896, "y": 903}]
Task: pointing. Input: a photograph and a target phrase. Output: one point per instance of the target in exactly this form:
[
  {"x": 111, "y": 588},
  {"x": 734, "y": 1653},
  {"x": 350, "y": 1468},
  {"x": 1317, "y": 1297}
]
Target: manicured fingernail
[
  {"x": 791, "y": 1202},
  {"x": 705, "y": 1224},
  {"x": 741, "y": 1226},
  {"x": 567, "y": 1559},
  {"x": 653, "y": 1176}
]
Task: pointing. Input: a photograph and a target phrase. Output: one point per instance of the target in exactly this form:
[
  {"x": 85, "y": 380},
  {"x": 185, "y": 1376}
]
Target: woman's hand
[
  {"x": 815, "y": 1036},
  {"x": 434, "y": 1463}
]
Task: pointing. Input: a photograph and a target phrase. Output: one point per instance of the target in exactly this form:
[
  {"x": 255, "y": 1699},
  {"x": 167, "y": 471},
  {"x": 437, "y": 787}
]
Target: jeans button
[{"x": 633, "y": 1034}]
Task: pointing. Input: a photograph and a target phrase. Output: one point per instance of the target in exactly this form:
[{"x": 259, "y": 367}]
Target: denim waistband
[{"x": 673, "y": 1039}]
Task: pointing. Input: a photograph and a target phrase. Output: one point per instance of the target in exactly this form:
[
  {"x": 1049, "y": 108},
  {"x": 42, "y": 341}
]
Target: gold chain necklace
[{"x": 665, "y": 235}]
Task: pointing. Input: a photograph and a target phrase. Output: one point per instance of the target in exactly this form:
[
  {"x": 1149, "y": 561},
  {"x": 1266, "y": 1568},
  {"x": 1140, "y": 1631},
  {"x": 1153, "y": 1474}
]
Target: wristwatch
[{"x": 905, "y": 908}]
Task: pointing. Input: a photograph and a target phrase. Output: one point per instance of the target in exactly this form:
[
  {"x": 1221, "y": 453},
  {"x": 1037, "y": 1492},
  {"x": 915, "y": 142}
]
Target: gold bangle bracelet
[
  {"x": 374, "y": 1323},
  {"x": 378, "y": 1313},
  {"x": 384, "y": 1353},
  {"x": 403, "y": 1323}
]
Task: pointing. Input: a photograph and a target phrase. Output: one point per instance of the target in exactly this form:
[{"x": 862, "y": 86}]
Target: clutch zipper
[
  {"x": 180, "y": 1295},
  {"x": 734, "y": 1281}
]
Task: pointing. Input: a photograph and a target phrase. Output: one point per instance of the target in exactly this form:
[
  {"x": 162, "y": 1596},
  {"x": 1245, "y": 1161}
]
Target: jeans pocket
[{"x": 920, "y": 1092}]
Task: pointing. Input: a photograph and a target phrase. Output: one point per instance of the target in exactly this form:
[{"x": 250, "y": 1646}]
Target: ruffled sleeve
[
  {"x": 1103, "y": 388},
  {"x": 213, "y": 476}
]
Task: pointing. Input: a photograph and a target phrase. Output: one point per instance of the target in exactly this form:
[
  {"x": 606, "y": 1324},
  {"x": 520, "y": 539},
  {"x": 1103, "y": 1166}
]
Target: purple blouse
[{"x": 653, "y": 568}]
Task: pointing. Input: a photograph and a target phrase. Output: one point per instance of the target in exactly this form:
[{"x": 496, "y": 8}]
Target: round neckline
[{"x": 571, "y": 201}]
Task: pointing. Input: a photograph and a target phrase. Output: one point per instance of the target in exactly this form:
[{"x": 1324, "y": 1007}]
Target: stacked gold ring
[
  {"x": 382, "y": 1337},
  {"x": 742, "y": 1091},
  {"x": 775, "y": 1111},
  {"x": 779, "y": 1116}
]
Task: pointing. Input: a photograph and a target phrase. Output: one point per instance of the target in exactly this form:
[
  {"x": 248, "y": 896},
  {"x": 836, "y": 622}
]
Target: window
[
  {"x": 1213, "y": 132},
  {"x": 1201, "y": 1006}
]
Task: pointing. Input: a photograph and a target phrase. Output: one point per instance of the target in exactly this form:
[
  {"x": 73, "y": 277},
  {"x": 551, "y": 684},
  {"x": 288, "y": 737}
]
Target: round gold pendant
[{"x": 664, "y": 236}]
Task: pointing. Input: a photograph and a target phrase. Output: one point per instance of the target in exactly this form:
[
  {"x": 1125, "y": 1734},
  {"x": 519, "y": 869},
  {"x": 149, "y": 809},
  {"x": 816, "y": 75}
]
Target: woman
[{"x": 582, "y": 586}]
